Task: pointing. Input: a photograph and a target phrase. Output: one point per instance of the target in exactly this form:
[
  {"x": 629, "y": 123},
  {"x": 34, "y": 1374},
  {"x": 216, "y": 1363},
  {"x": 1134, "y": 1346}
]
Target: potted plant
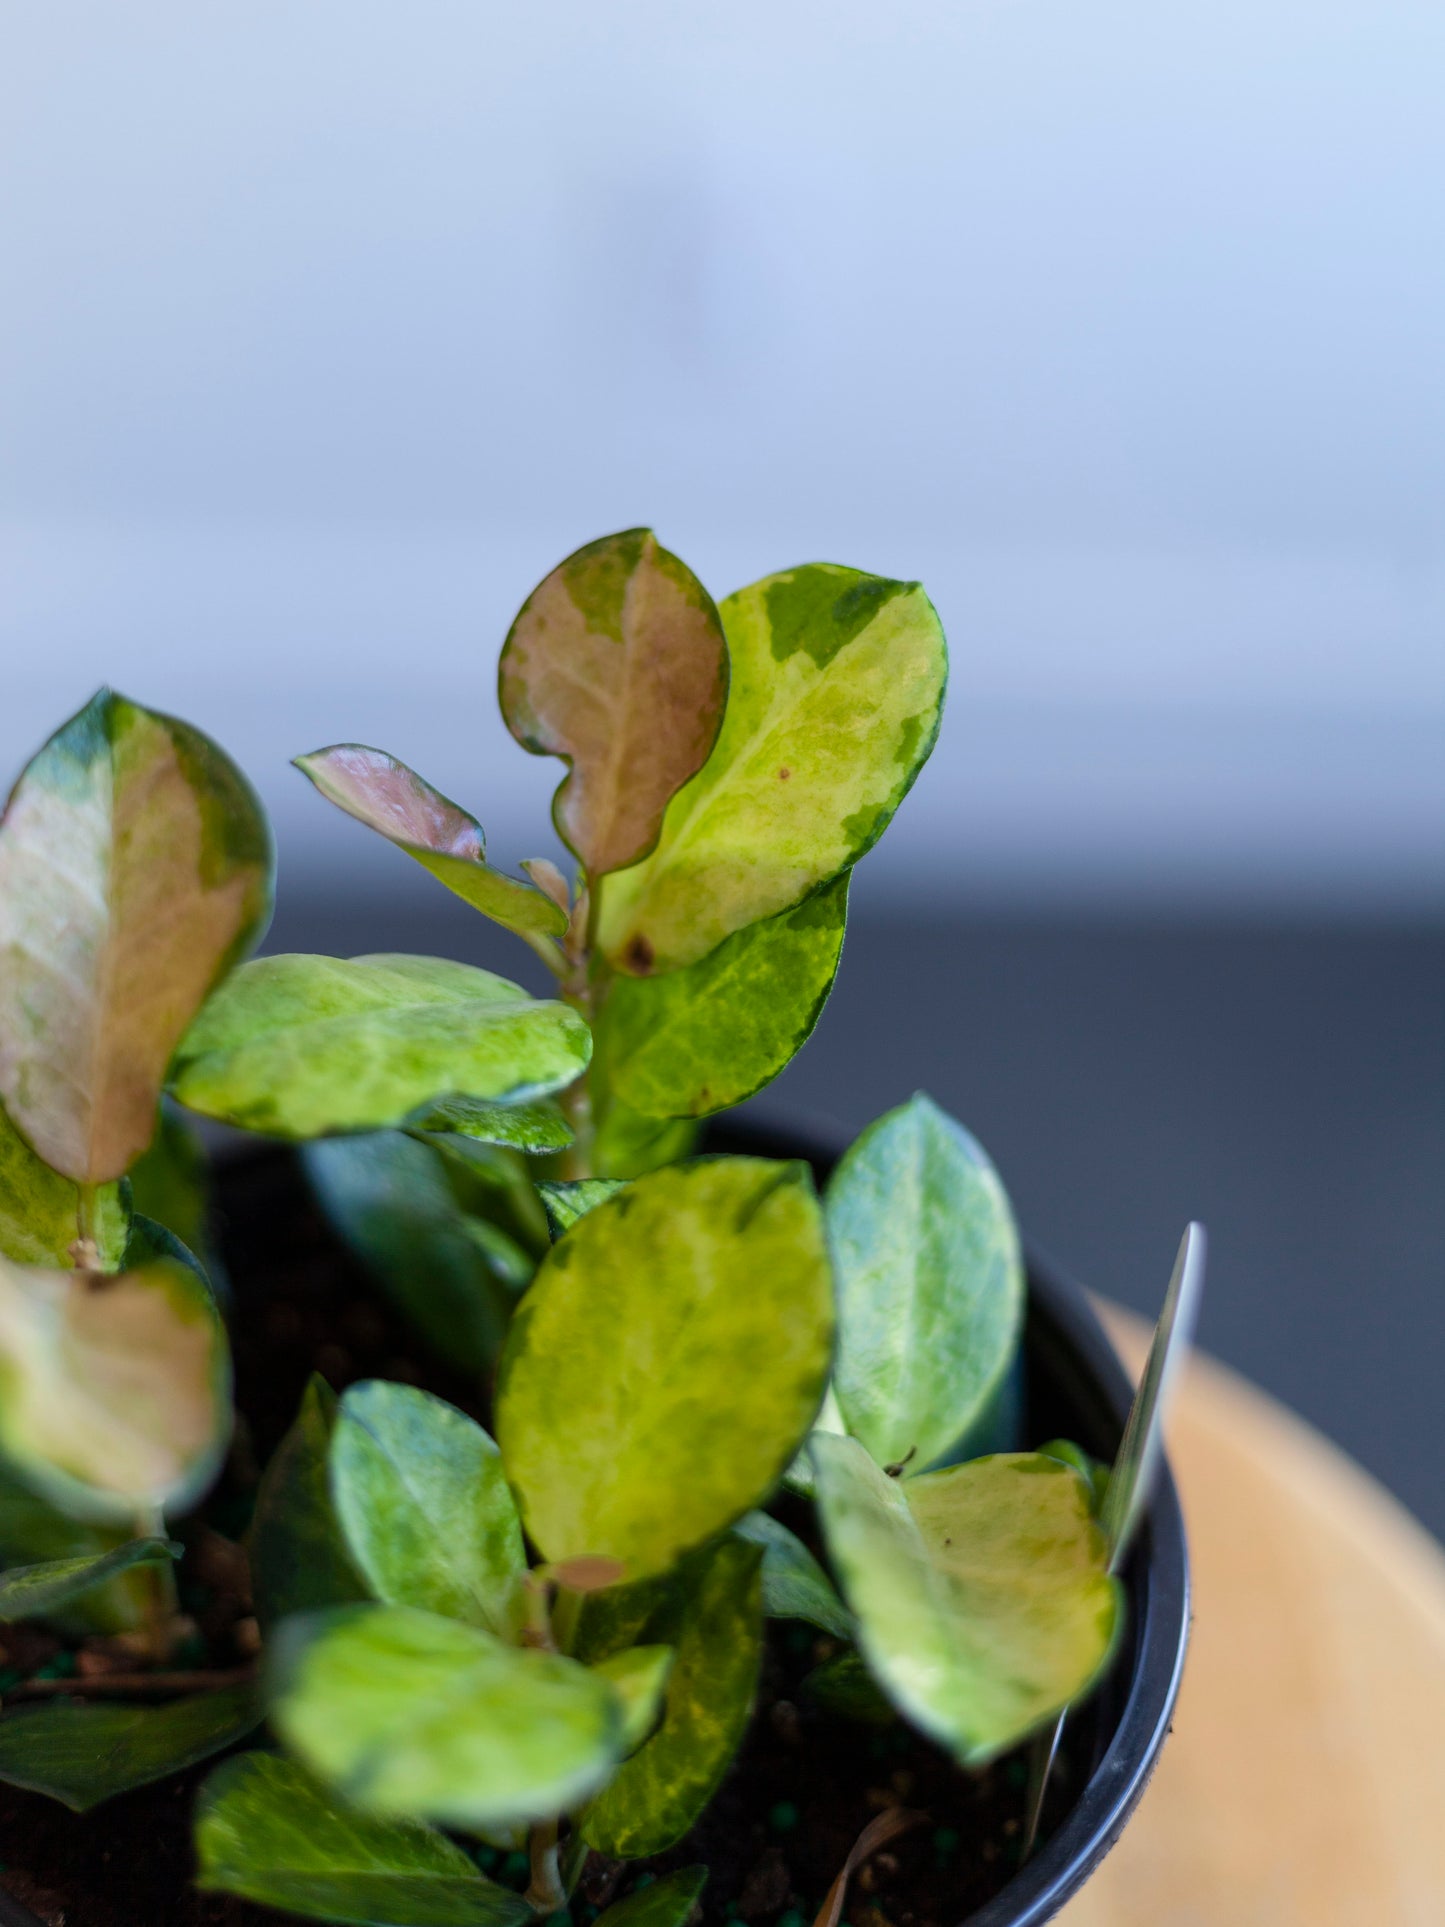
[{"x": 682, "y": 1537}]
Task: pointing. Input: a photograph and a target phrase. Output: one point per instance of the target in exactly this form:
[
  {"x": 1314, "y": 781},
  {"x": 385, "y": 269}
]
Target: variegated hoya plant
[{"x": 542, "y": 1641}]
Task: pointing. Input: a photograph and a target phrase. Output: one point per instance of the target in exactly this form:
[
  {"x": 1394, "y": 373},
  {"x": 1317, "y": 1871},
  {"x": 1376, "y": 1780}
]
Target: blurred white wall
[{"x": 326, "y": 328}]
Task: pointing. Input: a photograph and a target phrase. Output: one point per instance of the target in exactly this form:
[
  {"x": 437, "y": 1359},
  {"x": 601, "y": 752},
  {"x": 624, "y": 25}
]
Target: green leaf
[
  {"x": 537, "y": 1128},
  {"x": 1094, "y": 1472},
  {"x": 837, "y": 688},
  {"x": 982, "y": 1595},
  {"x": 37, "y": 1592},
  {"x": 115, "y": 1391},
  {"x": 302, "y": 1046},
  {"x": 567, "y": 1201},
  {"x": 795, "y": 1586},
  {"x": 715, "y": 1624},
  {"x": 700, "y": 1039},
  {"x": 390, "y": 1198},
  {"x": 31, "y": 1531},
  {"x": 930, "y": 1284},
  {"x": 666, "y": 1361},
  {"x": 267, "y": 1831},
  {"x": 38, "y": 1209},
  {"x": 639, "y": 1677},
  {"x": 135, "y": 870},
  {"x": 172, "y": 1185},
  {"x": 669, "y": 1902},
  {"x": 844, "y": 1686},
  {"x": 82, "y": 1755},
  {"x": 617, "y": 664},
  {"x": 628, "y": 1145},
  {"x": 422, "y": 1498},
  {"x": 403, "y": 807},
  {"x": 407, "y": 1713},
  {"x": 300, "y": 1561}
]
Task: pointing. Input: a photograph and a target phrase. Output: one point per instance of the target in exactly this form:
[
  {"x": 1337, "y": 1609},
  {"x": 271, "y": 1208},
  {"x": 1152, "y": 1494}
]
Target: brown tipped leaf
[
  {"x": 135, "y": 869},
  {"x": 616, "y": 663}
]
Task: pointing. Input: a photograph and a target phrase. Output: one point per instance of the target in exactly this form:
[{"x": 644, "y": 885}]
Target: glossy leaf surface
[
  {"x": 135, "y": 869},
  {"x": 930, "y": 1283},
  {"x": 390, "y": 1198},
  {"x": 981, "y": 1592},
  {"x": 837, "y": 687},
  {"x": 114, "y": 1392},
  {"x": 403, "y": 807},
  {"x": 616, "y": 663},
  {"x": 301, "y": 1046},
  {"x": 422, "y": 1498},
  {"x": 37, "y": 1592},
  {"x": 566, "y": 1201},
  {"x": 669, "y": 1902},
  {"x": 714, "y": 1623},
  {"x": 82, "y": 1755},
  {"x": 795, "y": 1586},
  {"x": 626, "y": 1144},
  {"x": 266, "y": 1830},
  {"x": 538, "y": 1128},
  {"x": 39, "y": 1207},
  {"x": 700, "y": 1039},
  {"x": 666, "y": 1361},
  {"x": 408, "y": 1713},
  {"x": 300, "y": 1560}
]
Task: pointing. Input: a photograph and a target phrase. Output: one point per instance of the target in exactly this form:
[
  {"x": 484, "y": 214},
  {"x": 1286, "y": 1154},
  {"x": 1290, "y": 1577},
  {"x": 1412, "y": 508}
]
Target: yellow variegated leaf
[
  {"x": 837, "y": 682},
  {"x": 114, "y": 1391}
]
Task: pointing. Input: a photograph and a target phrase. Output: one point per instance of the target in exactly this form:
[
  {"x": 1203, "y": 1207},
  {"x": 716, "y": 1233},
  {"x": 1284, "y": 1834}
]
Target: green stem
[
  {"x": 85, "y": 1252},
  {"x": 162, "y": 1602}
]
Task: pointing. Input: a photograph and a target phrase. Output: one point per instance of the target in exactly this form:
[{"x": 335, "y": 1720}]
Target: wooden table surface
[{"x": 1304, "y": 1784}]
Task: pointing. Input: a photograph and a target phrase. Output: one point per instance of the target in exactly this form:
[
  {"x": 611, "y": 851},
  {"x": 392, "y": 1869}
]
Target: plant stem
[
  {"x": 99, "y": 1685},
  {"x": 545, "y": 1893},
  {"x": 161, "y": 1600},
  {"x": 576, "y": 1102},
  {"x": 85, "y": 1252}
]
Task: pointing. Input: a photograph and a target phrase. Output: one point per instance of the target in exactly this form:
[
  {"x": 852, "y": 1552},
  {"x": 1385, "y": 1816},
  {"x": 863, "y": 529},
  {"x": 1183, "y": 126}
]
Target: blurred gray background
[{"x": 327, "y": 329}]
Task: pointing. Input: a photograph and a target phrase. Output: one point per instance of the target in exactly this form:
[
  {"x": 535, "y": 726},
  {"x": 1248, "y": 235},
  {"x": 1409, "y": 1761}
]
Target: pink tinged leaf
[
  {"x": 135, "y": 869},
  {"x": 403, "y": 807},
  {"x": 388, "y": 797},
  {"x": 617, "y": 664},
  {"x": 549, "y": 880}
]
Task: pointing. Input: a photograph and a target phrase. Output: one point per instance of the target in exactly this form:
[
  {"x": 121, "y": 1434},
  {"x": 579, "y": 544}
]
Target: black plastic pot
[{"x": 1075, "y": 1387}]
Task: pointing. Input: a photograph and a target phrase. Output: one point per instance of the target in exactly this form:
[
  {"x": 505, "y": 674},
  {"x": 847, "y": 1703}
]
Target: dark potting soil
[{"x": 803, "y": 1787}]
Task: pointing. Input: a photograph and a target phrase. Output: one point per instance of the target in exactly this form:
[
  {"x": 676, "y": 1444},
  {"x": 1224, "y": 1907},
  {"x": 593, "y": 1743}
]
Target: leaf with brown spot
[
  {"x": 135, "y": 870},
  {"x": 114, "y": 1391},
  {"x": 617, "y": 664},
  {"x": 403, "y": 807}
]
